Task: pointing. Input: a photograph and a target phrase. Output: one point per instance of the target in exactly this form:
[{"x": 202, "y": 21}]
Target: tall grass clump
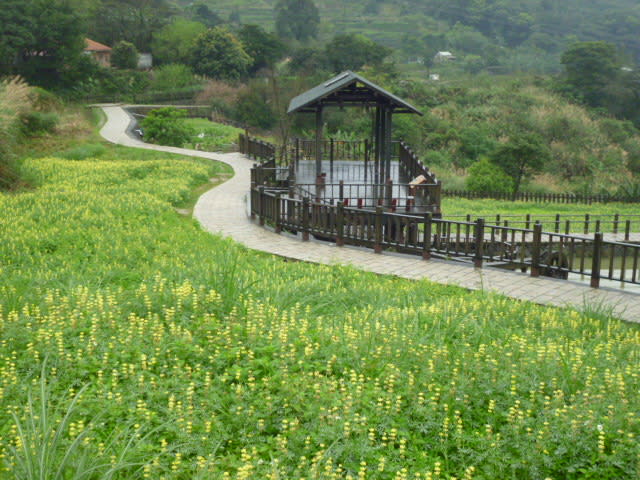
[
  {"x": 52, "y": 445},
  {"x": 15, "y": 101}
]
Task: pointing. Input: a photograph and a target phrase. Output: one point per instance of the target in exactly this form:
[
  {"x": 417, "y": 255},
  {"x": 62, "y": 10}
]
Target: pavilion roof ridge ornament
[{"x": 348, "y": 88}]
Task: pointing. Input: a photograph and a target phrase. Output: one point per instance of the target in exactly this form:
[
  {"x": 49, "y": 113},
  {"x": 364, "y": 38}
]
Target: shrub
[
  {"x": 252, "y": 108},
  {"x": 485, "y": 176},
  {"x": 124, "y": 55},
  {"x": 34, "y": 123},
  {"x": 175, "y": 75},
  {"x": 164, "y": 126},
  {"x": 14, "y": 102}
]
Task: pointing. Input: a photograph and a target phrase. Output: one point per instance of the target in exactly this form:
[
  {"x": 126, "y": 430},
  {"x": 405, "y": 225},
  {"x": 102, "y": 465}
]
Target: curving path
[{"x": 223, "y": 210}]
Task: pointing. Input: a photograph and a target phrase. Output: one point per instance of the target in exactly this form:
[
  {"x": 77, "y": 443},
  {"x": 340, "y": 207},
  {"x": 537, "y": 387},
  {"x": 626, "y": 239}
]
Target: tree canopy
[
  {"x": 297, "y": 19},
  {"x": 263, "y": 47},
  {"x": 590, "y": 67},
  {"x": 173, "y": 42},
  {"x": 218, "y": 53},
  {"x": 124, "y": 55},
  {"x": 353, "y": 51}
]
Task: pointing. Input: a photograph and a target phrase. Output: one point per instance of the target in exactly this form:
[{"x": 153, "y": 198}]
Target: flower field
[{"x": 181, "y": 355}]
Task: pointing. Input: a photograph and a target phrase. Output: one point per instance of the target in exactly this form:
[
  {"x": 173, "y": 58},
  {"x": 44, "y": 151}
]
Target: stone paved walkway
[{"x": 223, "y": 210}]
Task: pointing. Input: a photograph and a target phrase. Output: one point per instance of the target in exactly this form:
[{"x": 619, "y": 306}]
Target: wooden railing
[
  {"x": 412, "y": 166},
  {"x": 410, "y": 198},
  {"x": 617, "y": 223},
  {"x": 570, "y": 198},
  {"x": 256, "y": 149},
  {"x": 333, "y": 150},
  {"x": 542, "y": 253}
]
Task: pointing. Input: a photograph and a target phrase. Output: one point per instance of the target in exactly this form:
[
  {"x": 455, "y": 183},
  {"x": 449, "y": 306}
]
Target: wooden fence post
[
  {"x": 278, "y": 212},
  {"x": 479, "y": 234},
  {"x": 377, "y": 246},
  {"x": 597, "y": 260},
  {"x": 627, "y": 230},
  {"x": 340, "y": 224},
  {"x": 616, "y": 220},
  {"x": 261, "y": 203},
  {"x": 426, "y": 245},
  {"x": 305, "y": 219},
  {"x": 536, "y": 247}
]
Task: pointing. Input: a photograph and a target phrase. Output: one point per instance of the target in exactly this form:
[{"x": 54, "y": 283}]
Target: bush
[
  {"x": 165, "y": 126},
  {"x": 170, "y": 77},
  {"x": 34, "y": 123},
  {"x": 124, "y": 55},
  {"x": 485, "y": 176},
  {"x": 252, "y": 108}
]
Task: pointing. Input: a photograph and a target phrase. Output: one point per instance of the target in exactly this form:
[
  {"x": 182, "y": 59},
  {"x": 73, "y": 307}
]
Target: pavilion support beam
[
  {"x": 377, "y": 143},
  {"x": 388, "y": 118},
  {"x": 318, "y": 141}
]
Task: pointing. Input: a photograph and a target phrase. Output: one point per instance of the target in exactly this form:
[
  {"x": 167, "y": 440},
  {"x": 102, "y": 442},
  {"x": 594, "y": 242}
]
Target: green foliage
[
  {"x": 297, "y": 19},
  {"x": 34, "y": 123},
  {"x": 253, "y": 107},
  {"x": 17, "y": 32},
  {"x": 45, "y": 450},
  {"x": 111, "y": 21},
  {"x": 485, "y": 176},
  {"x": 124, "y": 55},
  {"x": 201, "y": 13},
  {"x": 521, "y": 157},
  {"x": 84, "y": 151},
  {"x": 172, "y": 76},
  {"x": 45, "y": 42},
  {"x": 164, "y": 127},
  {"x": 263, "y": 47},
  {"x": 15, "y": 97},
  {"x": 590, "y": 67},
  {"x": 174, "y": 42},
  {"x": 352, "y": 52},
  {"x": 217, "y": 53}
]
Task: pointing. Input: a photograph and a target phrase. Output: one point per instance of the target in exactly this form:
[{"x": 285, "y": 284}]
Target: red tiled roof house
[{"x": 100, "y": 53}]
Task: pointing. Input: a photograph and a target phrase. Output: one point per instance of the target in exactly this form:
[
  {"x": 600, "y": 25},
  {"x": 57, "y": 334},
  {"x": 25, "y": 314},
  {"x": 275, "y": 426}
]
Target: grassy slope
[{"x": 249, "y": 365}]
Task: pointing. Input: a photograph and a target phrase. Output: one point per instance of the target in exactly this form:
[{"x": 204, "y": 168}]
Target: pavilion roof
[{"x": 348, "y": 89}]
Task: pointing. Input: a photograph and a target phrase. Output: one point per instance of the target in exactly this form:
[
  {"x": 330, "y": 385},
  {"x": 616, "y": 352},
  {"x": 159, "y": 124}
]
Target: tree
[
  {"x": 352, "y": 52},
  {"x": 217, "y": 53},
  {"x": 590, "y": 67},
  {"x": 50, "y": 53},
  {"x": 297, "y": 19},
  {"x": 522, "y": 156},
  {"x": 202, "y": 13},
  {"x": 124, "y": 55},
  {"x": 263, "y": 47},
  {"x": 17, "y": 27},
  {"x": 173, "y": 42},
  {"x": 487, "y": 177},
  {"x": 133, "y": 20}
]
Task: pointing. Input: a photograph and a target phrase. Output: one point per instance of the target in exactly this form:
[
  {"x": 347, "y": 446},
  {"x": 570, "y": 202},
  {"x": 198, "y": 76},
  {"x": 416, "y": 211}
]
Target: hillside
[{"x": 522, "y": 34}]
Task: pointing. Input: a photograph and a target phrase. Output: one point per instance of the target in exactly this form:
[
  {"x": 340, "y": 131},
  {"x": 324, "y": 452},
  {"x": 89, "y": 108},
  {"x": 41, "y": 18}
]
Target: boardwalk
[{"x": 222, "y": 210}]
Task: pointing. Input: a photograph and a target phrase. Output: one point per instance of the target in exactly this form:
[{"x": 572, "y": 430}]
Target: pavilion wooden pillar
[
  {"x": 318, "y": 141},
  {"x": 388, "y": 116},
  {"x": 377, "y": 128}
]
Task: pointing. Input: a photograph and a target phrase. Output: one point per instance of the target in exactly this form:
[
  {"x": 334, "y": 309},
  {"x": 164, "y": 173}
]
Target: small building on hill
[
  {"x": 99, "y": 52},
  {"x": 444, "y": 57}
]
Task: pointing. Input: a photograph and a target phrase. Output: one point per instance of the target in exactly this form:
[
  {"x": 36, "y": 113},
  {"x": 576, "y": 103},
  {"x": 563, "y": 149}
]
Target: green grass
[
  {"x": 220, "y": 362},
  {"x": 211, "y": 136}
]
